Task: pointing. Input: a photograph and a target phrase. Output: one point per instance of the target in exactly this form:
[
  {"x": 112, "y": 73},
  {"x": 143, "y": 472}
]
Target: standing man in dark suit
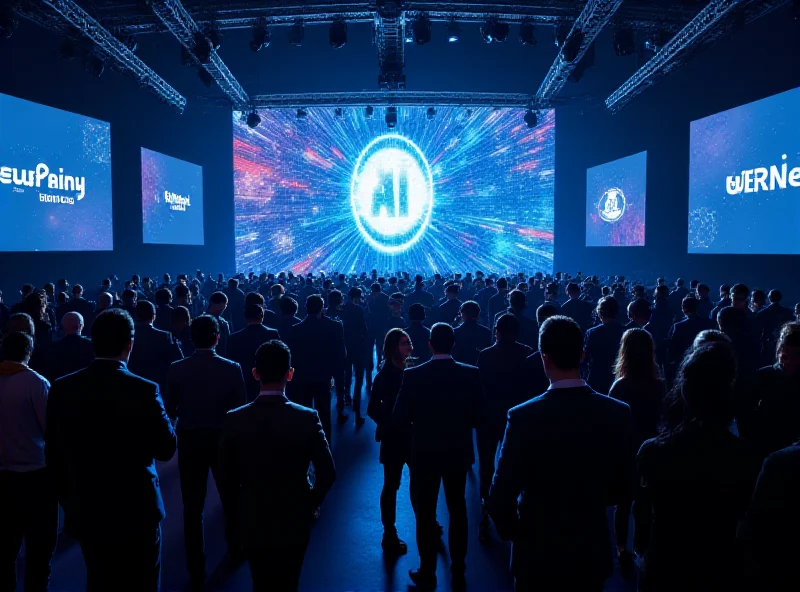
[
  {"x": 243, "y": 344},
  {"x": 499, "y": 301},
  {"x": 566, "y": 456},
  {"x": 448, "y": 311},
  {"x": 503, "y": 380},
  {"x": 682, "y": 334},
  {"x": 578, "y": 310},
  {"x": 71, "y": 353},
  {"x": 288, "y": 318},
  {"x": 318, "y": 351},
  {"x": 482, "y": 298},
  {"x": 769, "y": 321},
  {"x": 517, "y": 306},
  {"x": 356, "y": 340},
  {"x": 419, "y": 296},
  {"x": 153, "y": 350},
  {"x": 102, "y": 452},
  {"x": 235, "y": 304},
  {"x": 265, "y": 451},
  {"x": 217, "y": 303},
  {"x": 80, "y": 305},
  {"x": 163, "y": 320},
  {"x": 201, "y": 389},
  {"x": 470, "y": 336},
  {"x": 419, "y": 333},
  {"x": 378, "y": 307},
  {"x": 440, "y": 399}
]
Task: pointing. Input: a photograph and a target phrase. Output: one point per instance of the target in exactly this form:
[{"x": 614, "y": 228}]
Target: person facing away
[
  {"x": 217, "y": 303},
  {"x": 419, "y": 296},
  {"x": 602, "y": 345},
  {"x": 318, "y": 352},
  {"x": 448, "y": 310},
  {"x": 243, "y": 344},
  {"x": 153, "y": 350},
  {"x": 440, "y": 399},
  {"x": 270, "y": 318},
  {"x": 395, "y": 439},
  {"x": 769, "y": 321},
  {"x": 80, "y": 305},
  {"x": 419, "y": 333},
  {"x": 471, "y": 337},
  {"x": 578, "y": 310},
  {"x": 235, "y": 310},
  {"x": 106, "y": 428},
  {"x": 163, "y": 319},
  {"x": 71, "y": 353},
  {"x": 517, "y": 306},
  {"x": 637, "y": 384},
  {"x": 638, "y": 313},
  {"x": 182, "y": 329},
  {"x": 536, "y": 380},
  {"x": 287, "y": 319},
  {"x": 356, "y": 341},
  {"x": 704, "y": 304},
  {"x": 201, "y": 389},
  {"x": 695, "y": 483},
  {"x": 682, "y": 334},
  {"x": 29, "y": 505},
  {"x": 265, "y": 451},
  {"x": 723, "y": 302},
  {"x": 503, "y": 380},
  {"x": 497, "y": 302},
  {"x": 566, "y": 455}
]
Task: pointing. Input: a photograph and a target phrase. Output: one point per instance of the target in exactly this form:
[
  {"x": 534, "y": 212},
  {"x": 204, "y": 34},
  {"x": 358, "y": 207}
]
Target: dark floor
[{"x": 345, "y": 553}]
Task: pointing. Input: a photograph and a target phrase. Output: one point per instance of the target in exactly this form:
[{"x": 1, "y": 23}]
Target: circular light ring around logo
[
  {"x": 620, "y": 197},
  {"x": 405, "y": 240}
]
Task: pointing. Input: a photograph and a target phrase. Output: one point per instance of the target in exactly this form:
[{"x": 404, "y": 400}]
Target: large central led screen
[{"x": 461, "y": 190}]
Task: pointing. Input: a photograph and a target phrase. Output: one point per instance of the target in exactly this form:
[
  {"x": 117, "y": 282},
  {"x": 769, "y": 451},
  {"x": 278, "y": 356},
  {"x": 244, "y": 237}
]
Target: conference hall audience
[
  {"x": 153, "y": 350},
  {"x": 69, "y": 354},
  {"x": 470, "y": 336},
  {"x": 243, "y": 344}
]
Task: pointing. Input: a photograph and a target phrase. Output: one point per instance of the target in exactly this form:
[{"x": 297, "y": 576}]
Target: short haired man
[
  {"x": 419, "y": 333},
  {"x": 217, "y": 303},
  {"x": 683, "y": 333},
  {"x": 577, "y": 309},
  {"x": 72, "y": 352},
  {"x": 602, "y": 345},
  {"x": 266, "y": 448},
  {"x": 769, "y": 322},
  {"x": 638, "y": 313},
  {"x": 243, "y": 344},
  {"x": 471, "y": 337},
  {"x": 124, "y": 435},
  {"x": 542, "y": 464},
  {"x": 153, "y": 350}
]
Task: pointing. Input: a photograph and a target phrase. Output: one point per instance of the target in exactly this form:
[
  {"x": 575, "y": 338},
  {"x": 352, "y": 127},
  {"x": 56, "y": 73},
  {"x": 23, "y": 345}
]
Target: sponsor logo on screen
[
  {"x": 22, "y": 178},
  {"x": 611, "y": 206},
  {"x": 763, "y": 179},
  {"x": 177, "y": 202}
]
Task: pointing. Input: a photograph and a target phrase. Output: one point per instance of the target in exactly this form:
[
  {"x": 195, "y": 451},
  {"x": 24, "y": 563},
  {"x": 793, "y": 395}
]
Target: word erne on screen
[
  {"x": 177, "y": 202},
  {"x": 28, "y": 178},
  {"x": 755, "y": 180}
]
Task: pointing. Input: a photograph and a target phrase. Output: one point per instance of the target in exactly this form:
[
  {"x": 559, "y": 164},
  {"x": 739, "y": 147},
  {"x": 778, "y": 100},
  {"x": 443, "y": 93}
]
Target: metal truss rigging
[
  {"x": 586, "y": 28},
  {"x": 68, "y": 18},
  {"x": 379, "y": 98},
  {"x": 181, "y": 24},
  {"x": 716, "y": 19},
  {"x": 390, "y": 25}
]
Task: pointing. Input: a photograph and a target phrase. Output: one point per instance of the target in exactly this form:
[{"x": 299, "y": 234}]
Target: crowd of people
[{"x": 582, "y": 393}]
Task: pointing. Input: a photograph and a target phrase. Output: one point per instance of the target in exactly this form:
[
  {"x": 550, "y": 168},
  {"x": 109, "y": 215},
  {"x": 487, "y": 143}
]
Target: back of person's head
[
  {"x": 442, "y": 338},
  {"x": 710, "y": 336},
  {"x": 759, "y": 297},
  {"x": 517, "y": 300},
  {"x": 205, "y": 332},
  {"x": 163, "y": 296},
  {"x": 573, "y": 290},
  {"x": 740, "y": 293},
  {"x": 693, "y": 284},
  {"x": 561, "y": 341},
  {"x": 288, "y": 306},
  {"x": 181, "y": 291},
  {"x": 112, "y": 333},
  {"x": 638, "y": 291},
  {"x": 354, "y": 293},
  {"x": 689, "y": 305},
  {"x": 636, "y": 359},
  {"x": 703, "y": 290},
  {"x": 451, "y": 290},
  {"x": 218, "y": 299},
  {"x": 254, "y": 298},
  {"x": 77, "y": 290},
  {"x": 507, "y": 328},
  {"x": 639, "y": 310},
  {"x": 788, "y": 348},
  {"x": 502, "y": 284},
  {"x": 705, "y": 381},
  {"x": 61, "y": 298},
  {"x": 277, "y": 290},
  {"x": 20, "y": 321},
  {"x": 335, "y": 299},
  {"x": 145, "y": 311},
  {"x": 128, "y": 296},
  {"x": 72, "y": 323},
  {"x": 104, "y": 300},
  {"x": 607, "y": 308},
  {"x": 253, "y": 313},
  {"x": 416, "y": 312},
  {"x": 731, "y": 320},
  {"x": 679, "y": 282},
  {"x": 273, "y": 362},
  {"x": 375, "y": 288},
  {"x": 26, "y": 289},
  {"x": 662, "y": 292},
  {"x": 544, "y": 312},
  {"x": 489, "y": 282},
  {"x": 181, "y": 316},
  {"x": 471, "y": 310},
  {"x": 314, "y": 304},
  {"x": 35, "y": 304},
  {"x": 233, "y": 283},
  {"x": 775, "y": 296},
  {"x": 17, "y": 346}
]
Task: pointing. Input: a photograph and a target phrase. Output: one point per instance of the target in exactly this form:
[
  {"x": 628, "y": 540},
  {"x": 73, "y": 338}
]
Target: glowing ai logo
[
  {"x": 391, "y": 193},
  {"x": 612, "y": 205}
]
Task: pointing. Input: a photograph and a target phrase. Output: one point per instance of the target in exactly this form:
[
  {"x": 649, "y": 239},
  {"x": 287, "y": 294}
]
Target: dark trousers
[
  {"x": 127, "y": 556},
  {"x": 29, "y": 512},
  {"x": 197, "y": 455},
  {"x": 276, "y": 569},
  {"x": 316, "y": 395},
  {"x": 489, "y": 438},
  {"x": 426, "y": 488},
  {"x": 355, "y": 365},
  {"x": 622, "y": 519},
  {"x": 392, "y": 475}
]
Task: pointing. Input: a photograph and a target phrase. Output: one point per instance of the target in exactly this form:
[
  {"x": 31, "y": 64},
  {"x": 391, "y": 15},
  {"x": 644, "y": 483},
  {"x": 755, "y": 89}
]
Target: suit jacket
[
  {"x": 84, "y": 307},
  {"x": 152, "y": 354},
  {"x": 318, "y": 350},
  {"x": 528, "y": 328},
  {"x": 378, "y": 306},
  {"x": 448, "y": 311},
  {"x": 395, "y": 439},
  {"x": 602, "y": 347},
  {"x": 470, "y": 339},
  {"x": 502, "y": 370},
  {"x": 536, "y": 381},
  {"x": 106, "y": 427},
  {"x": 356, "y": 333},
  {"x": 580, "y": 311},
  {"x": 566, "y": 455},
  {"x": 420, "y": 335},
  {"x": 682, "y": 335},
  {"x": 224, "y": 334},
  {"x": 201, "y": 389},
  {"x": 67, "y": 355},
  {"x": 284, "y": 327},
  {"x": 242, "y": 347},
  {"x": 497, "y": 303},
  {"x": 265, "y": 451},
  {"x": 440, "y": 399},
  {"x": 163, "y": 320},
  {"x": 770, "y": 320},
  {"x": 418, "y": 297},
  {"x": 235, "y": 310}
]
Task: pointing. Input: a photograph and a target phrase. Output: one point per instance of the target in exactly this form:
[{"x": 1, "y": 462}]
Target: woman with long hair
[
  {"x": 637, "y": 384},
  {"x": 35, "y": 305},
  {"x": 695, "y": 483},
  {"x": 395, "y": 439}
]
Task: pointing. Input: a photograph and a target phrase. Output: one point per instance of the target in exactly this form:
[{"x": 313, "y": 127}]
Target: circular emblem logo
[
  {"x": 391, "y": 193},
  {"x": 611, "y": 206}
]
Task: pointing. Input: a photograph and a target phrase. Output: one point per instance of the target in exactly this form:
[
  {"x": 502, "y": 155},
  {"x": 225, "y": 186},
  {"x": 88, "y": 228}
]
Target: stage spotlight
[
  {"x": 337, "y": 113},
  {"x": 337, "y": 35},
  {"x": 624, "y": 43},
  {"x": 655, "y": 41},
  {"x": 431, "y": 113},
  {"x": 8, "y": 22},
  {"x": 492, "y": 30},
  {"x": 453, "y": 31},
  {"x": 202, "y": 48},
  {"x": 131, "y": 42},
  {"x": 95, "y": 65},
  {"x": 214, "y": 38},
  {"x": 206, "y": 78},
  {"x": 260, "y": 39},
  {"x": 422, "y": 30},
  {"x": 297, "y": 33},
  {"x": 531, "y": 119},
  {"x": 573, "y": 46},
  {"x": 253, "y": 119},
  {"x": 302, "y": 113},
  {"x": 527, "y": 33},
  {"x": 391, "y": 117},
  {"x": 68, "y": 50},
  {"x": 408, "y": 34},
  {"x": 562, "y": 31},
  {"x": 369, "y": 112}
]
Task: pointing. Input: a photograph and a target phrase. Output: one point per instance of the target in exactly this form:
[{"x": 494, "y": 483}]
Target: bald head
[
  {"x": 72, "y": 323},
  {"x": 104, "y": 301}
]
